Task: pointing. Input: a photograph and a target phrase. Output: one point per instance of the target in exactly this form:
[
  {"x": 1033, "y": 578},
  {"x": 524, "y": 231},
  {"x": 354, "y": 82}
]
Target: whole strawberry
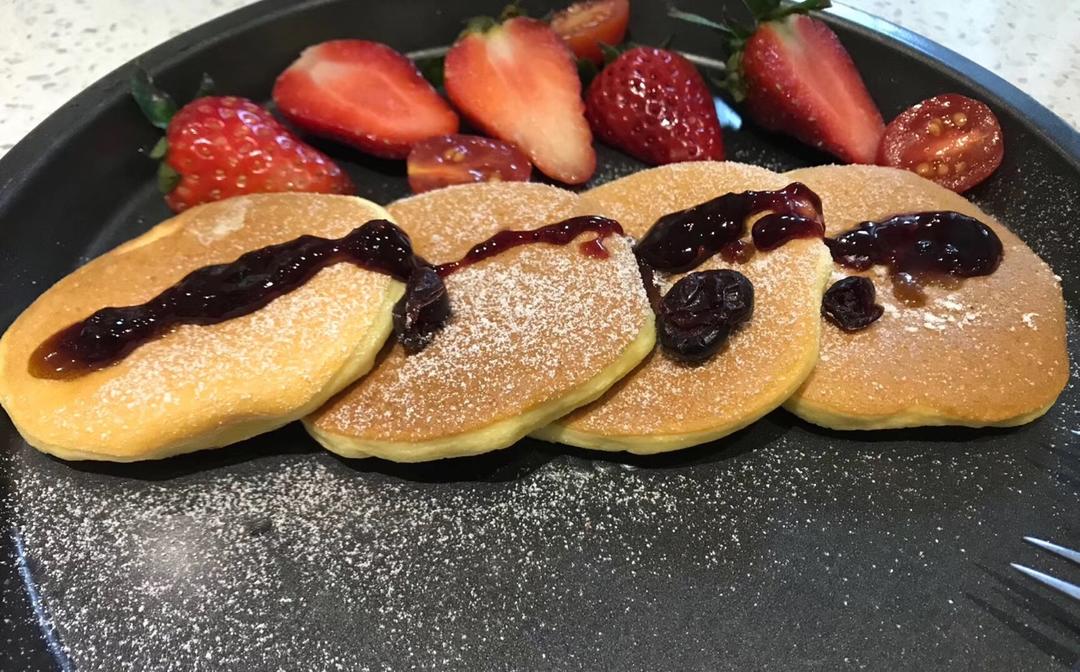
[
  {"x": 216, "y": 147},
  {"x": 653, "y": 104}
]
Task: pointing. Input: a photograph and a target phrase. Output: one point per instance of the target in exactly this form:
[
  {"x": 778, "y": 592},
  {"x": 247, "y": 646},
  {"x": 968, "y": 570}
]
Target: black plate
[{"x": 782, "y": 547}]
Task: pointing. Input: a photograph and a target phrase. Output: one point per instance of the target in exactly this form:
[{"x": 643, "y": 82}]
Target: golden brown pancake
[
  {"x": 665, "y": 405},
  {"x": 536, "y": 331},
  {"x": 990, "y": 351},
  {"x": 202, "y": 386}
]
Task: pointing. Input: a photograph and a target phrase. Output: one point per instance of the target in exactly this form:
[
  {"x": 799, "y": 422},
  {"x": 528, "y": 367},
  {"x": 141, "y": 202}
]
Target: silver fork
[{"x": 1057, "y": 584}]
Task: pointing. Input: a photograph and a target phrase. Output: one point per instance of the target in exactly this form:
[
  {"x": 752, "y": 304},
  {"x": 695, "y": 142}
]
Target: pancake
[
  {"x": 665, "y": 405},
  {"x": 536, "y": 332},
  {"x": 202, "y": 386},
  {"x": 989, "y": 352}
]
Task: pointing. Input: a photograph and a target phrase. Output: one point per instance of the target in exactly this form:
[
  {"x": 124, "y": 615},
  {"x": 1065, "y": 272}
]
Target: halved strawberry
[
  {"x": 797, "y": 78},
  {"x": 518, "y": 82},
  {"x": 585, "y": 25},
  {"x": 364, "y": 94}
]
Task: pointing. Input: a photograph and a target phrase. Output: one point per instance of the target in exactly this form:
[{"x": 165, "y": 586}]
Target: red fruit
[
  {"x": 653, "y": 104},
  {"x": 800, "y": 81},
  {"x": 226, "y": 146},
  {"x": 364, "y": 94},
  {"x": 461, "y": 159},
  {"x": 585, "y": 25},
  {"x": 950, "y": 139},
  {"x": 518, "y": 82}
]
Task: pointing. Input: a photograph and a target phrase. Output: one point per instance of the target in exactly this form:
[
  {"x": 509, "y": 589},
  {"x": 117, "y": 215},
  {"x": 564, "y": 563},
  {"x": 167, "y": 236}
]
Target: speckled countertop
[{"x": 51, "y": 49}]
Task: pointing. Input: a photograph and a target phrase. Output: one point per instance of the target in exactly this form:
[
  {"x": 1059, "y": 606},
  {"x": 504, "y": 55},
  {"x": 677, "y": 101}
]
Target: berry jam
[
  {"x": 773, "y": 230},
  {"x": 213, "y": 294},
  {"x": 737, "y": 252},
  {"x": 220, "y": 292},
  {"x": 934, "y": 243},
  {"x": 700, "y": 311},
  {"x": 849, "y": 303},
  {"x": 681, "y": 241},
  {"x": 560, "y": 233}
]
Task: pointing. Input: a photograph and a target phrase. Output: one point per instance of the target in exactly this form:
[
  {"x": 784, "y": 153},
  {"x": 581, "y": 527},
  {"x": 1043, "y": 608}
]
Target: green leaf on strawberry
[{"x": 157, "y": 105}]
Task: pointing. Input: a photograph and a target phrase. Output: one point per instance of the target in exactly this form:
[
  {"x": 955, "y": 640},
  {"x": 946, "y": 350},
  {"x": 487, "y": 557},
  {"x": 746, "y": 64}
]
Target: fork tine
[
  {"x": 1049, "y": 581},
  {"x": 1066, "y": 553}
]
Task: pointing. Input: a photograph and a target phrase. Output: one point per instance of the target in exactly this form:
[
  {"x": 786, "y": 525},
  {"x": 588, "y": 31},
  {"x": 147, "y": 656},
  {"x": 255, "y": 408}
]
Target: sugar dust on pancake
[
  {"x": 666, "y": 405},
  {"x": 202, "y": 386},
  {"x": 536, "y": 331},
  {"x": 983, "y": 351}
]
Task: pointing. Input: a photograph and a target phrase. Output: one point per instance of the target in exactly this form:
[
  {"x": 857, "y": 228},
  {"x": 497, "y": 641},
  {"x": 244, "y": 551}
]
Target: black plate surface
[{"x": 782, "y": 547}]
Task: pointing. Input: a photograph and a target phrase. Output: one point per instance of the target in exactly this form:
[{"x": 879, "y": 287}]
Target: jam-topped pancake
[
  {"x": 978, "y": 351},
  {"x": 201, "y": 385},
  {"x": 665, "y": 404},
  {"x": 537, "y": 330}
]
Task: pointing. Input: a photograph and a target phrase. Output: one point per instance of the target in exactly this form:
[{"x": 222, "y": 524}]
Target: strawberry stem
[
  {"x": 156, "y": 105},
  {"x": 167, "y": 178},
  {"x": 160, "y": 149},
  {"x": 206, "y": 86}
]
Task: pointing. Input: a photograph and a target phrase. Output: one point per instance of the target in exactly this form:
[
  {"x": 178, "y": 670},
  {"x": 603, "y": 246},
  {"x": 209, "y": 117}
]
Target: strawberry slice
[
  {"x": 518, "y": 82},
  {"x": 797, "y": 78},
  {"x": 364, "y": 94}
]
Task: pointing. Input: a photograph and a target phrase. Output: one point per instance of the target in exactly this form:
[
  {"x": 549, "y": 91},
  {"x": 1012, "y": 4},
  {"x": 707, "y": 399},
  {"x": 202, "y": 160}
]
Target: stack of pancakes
[{"x": 543, "y": 339}]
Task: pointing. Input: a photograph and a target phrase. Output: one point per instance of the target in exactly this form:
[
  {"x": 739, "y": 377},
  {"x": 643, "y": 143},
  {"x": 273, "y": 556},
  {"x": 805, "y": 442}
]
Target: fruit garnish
[
  {"x": 950, "y": 139},
  {"x": 518, "y": 82},
  {"x": 654, "y": 105},
  {"x": 588, "y": 24},
  {"x": 364, "y": 94},
  {"x": 460, "y": 159},
  {"x": 851, "y": 303},
  {"x": 700, "y": 311},
  {"x": 216, "y": 147},
  {"x": 795, "y": 77}
]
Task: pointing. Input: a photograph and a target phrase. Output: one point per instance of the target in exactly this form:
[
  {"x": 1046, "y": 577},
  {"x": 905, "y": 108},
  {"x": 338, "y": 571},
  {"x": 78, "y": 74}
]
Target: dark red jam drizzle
[
  {"x": 220, "y": 292},
  {"x": 696, "y": 316},
  {"x": 943, "y": 243},
  {"x": 850, "y": 304},
  {"x": 560, "y": 233},
  {"x": 682, "y": 240},
  {"x": 921, "y": 248},
  {"x": 213, "y": 294},
  {"x": 775, "y": 229}
]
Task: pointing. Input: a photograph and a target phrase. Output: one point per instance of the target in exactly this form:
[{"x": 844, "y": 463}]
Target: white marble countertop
[{"x": 52, "y": 49}]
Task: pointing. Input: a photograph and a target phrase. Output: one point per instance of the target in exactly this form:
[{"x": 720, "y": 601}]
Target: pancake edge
[
  {"x": 651, "y": 444},
  {"x": 357, "y": 365},
  {"x": 502, "y": 433},
  {"x": 912, "y": 416}
]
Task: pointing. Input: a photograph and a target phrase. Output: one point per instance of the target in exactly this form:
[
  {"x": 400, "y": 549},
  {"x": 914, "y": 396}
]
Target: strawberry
[
  {"x": 588, "y": 24},
  {"x": 216, "y": 147},
  {"x": 518, "y": 82},
  {"x": 364, "y": 94},
  {"x": 654, "y": 105},
  {"x": 796, "y": 78}
]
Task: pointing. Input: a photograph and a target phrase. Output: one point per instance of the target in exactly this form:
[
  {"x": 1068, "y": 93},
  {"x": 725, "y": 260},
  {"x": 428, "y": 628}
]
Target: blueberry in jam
[
  {"x": 700, "y": 311},
  {"x": 849, "y": 304}
]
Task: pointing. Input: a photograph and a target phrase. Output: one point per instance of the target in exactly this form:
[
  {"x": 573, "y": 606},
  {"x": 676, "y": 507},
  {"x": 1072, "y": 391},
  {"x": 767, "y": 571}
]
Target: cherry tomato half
[
  {"x": 950, "y": 139},
  {"x": 460, "y": 159},
  {"x": 584, "y": 25}
]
